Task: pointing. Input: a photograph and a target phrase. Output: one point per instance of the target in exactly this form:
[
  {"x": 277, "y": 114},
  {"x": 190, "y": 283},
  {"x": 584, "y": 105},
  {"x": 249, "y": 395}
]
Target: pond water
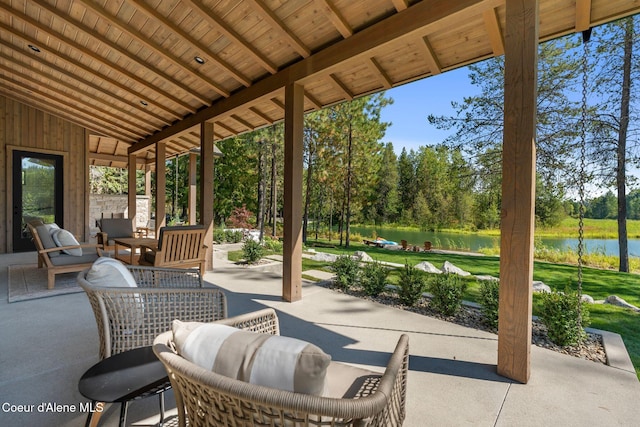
[{"x": 474, "y": 242}]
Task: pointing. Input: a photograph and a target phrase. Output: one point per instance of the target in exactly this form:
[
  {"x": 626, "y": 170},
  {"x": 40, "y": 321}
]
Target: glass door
[{"x": 37, "y": 194}]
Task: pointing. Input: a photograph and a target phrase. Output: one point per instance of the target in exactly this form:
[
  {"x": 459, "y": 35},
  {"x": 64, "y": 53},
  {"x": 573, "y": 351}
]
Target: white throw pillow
[
  {"x": 64, "y": 237},
  {"x": 269, "y": 360},
  {"x": 110, "y": 272}
]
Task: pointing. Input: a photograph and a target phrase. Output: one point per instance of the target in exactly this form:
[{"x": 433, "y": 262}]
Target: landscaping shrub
[
  {"x": 252, "y": 251},
  {"x": 373, "y": 278},
  {"x": 489, "y": 290},
  {"x": 347, "y": 271},
  {"x": 447, "y": 291},
  {"x": 273, "y": 244},
  {"x": 233, "y": 236},
  {"x": 411, "y": 285},
  {"x": 219, "y": 235},
  {"x": 559, "y": 313}
]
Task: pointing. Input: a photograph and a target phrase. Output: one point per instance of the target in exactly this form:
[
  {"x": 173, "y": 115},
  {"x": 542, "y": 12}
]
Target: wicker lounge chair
[
  {"x": 358, "y": 397},
  {"x": 163, "y": 294}
]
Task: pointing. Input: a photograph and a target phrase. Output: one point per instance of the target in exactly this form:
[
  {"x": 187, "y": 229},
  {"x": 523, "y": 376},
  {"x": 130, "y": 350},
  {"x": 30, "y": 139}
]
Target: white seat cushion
[{"x": 269, "y": 360}]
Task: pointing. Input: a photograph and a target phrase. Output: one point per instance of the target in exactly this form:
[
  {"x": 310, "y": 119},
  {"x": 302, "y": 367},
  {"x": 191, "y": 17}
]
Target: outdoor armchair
[
  {"x": 116, "y": 228},
  {"x": 177, "y": 247},
  {"x": 63, "y": 258},
  {"x": 353, "y": 397},
  {"x": 131, "y": 317}
]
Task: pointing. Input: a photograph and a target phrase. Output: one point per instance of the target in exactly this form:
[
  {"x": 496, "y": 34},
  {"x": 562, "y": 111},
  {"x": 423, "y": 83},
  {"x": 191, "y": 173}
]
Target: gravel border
[{"x": 591, "y": 349}]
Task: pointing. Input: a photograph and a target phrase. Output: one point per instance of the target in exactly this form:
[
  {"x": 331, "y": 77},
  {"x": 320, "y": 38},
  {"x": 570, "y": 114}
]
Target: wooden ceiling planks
[{"x": 100, "y": 60}]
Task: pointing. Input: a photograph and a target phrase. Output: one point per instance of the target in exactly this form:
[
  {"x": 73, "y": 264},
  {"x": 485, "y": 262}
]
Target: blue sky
[{"x": 413, "y": 102}]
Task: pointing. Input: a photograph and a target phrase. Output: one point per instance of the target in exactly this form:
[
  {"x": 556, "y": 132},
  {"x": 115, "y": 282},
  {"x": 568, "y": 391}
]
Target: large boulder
[
  {"x": 487, "y": 278},
  {"x": 617, "y": 301},
  {"x": 324, "y": 257},
  {"x": 539, "y": 286},
  {"x": 447, "y": 267},
  {"x": 428, "y": 267},
  {"x": 362, "y": 256},
  {"x": 588, "y": 299}
]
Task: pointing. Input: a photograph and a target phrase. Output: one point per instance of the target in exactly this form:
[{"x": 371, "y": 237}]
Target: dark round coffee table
[{"x": 127, "y": 376}]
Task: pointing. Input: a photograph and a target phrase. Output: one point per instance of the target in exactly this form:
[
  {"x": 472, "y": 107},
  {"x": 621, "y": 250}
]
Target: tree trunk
[
  {"x": 274, "y": 184},
  {"x": 262, "y": 184},
  {"x": 349, "y": 155},
  {"x": 622, "y": 147},
  {"x": 307, "y": 196}
]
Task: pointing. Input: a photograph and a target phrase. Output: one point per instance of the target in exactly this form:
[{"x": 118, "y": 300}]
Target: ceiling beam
[
  {"x": 116, "y": 102},
  {"x": 405, "y": 24},
  {"x": 204, "y": 51},
  {"x": 122, "y": 116},
  {"x": 276, "y": 23},
  {"x": 50, "y": 108},
  {"x": 317, "y": 104},
  {"x": 336, "y": 19},
  {"x": 242, "y": 121},
  {"x": 337, "y": 83},
  {"x": 227, "y": 128},
  {"x": 91, "y": 54},
  {"x": 115, "y": 158},
  {"x": 229, "y": 33},
  {"x": 492, "y": 24},
  {"x": 583, "y": 15},
  {"x": 400, "y": 5},
  {"x": 157, "y": 50},
  {"x": 380, "y": 73},
  {"x": 262, "y": 115},
  {"x": 277, "y": 103},
  {"x": 72, "y": 108},
  {"x": 432, "y": 57}
]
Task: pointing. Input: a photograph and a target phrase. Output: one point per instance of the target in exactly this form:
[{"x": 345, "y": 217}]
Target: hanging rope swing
[{"x": 586, "y": 36}]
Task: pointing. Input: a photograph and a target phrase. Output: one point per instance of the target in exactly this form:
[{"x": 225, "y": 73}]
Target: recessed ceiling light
[
  {"x": 145, "y": 103},
  {"x": 198, "y": 59},
  {"x": 34, "y": 48}
]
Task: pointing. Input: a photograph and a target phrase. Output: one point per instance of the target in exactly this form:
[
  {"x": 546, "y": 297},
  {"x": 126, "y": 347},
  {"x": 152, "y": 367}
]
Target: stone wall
[{"x": 117, "y": 205}]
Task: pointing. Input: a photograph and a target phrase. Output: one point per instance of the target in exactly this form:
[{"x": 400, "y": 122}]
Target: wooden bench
[{"x": 177, "y": 247}]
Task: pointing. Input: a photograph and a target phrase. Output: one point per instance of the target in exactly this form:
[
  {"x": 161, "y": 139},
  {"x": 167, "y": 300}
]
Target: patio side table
[{"x": 126, "y": 376}]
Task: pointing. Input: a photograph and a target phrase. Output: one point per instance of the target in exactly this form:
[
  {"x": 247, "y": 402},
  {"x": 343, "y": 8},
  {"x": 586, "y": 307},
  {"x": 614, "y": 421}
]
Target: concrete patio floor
[{"x": 47, "y": 344}]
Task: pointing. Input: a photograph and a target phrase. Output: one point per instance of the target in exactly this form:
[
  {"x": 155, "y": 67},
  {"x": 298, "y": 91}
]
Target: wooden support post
[
  {"x": 147, "y": 180},
  {"x": 131, "y": 188},
  {"x": 292, "y": 233},
  {"x": 161, "y": 186},
  {"x": 193, "y": 187},
  {"x": 518, "y": 190},
  {"x": 206, "y": 187}
]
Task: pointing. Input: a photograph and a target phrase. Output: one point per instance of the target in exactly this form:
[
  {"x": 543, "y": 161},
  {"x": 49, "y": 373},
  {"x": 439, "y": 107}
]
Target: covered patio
[
  {"x": 134, "y": 83},
  {"x": 451, "y": 382}
]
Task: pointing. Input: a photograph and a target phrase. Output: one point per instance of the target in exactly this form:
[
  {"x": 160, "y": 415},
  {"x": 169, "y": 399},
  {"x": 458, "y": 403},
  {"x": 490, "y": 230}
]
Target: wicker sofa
[
  {"x": 129, "y": 318},
  {"x": 354, "y": 397}
]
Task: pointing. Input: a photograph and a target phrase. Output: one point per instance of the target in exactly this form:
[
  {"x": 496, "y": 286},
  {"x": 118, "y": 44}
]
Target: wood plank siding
[{"x": 26, "y": 128}]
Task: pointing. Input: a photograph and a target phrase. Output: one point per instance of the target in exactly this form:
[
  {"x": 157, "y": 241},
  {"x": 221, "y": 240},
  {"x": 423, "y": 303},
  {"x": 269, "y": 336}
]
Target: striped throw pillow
[{"x": 269, "y": 360}]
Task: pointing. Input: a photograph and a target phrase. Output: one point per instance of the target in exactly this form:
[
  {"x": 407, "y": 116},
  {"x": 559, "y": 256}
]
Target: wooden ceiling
[{"x": 127, "y": 70}]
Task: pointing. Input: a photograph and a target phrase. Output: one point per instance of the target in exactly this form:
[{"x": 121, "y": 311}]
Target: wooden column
[
  {"x": 518, "y": 190},
  {"x": 206, "y": 187},
  {"x": 147, "y": 180},
  {"x": 131, "y": 185},
  {"x": 193, "y": 187},
  {"x": 161, "y": 186},
  {"x": 292, "y": 248}
]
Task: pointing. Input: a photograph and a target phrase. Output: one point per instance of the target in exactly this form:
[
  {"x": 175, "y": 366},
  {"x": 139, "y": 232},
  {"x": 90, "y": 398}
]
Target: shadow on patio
[{"x": 47, "y": 344}]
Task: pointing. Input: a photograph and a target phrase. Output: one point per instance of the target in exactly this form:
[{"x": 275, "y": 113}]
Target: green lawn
[{"x": 597, "y": 283}]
